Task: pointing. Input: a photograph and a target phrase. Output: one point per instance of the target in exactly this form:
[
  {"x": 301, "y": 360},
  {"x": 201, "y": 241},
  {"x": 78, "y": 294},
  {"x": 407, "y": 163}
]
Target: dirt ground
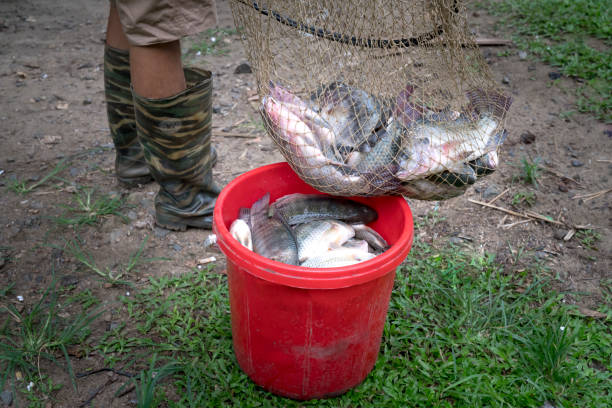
[{"x": 52, "y": 107}]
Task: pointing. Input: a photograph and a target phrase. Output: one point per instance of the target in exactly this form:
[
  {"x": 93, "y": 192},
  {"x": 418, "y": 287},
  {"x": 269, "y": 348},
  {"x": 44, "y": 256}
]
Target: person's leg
[
  {"x": 130, "y": 166},
  {"x": 115, "y": 37},
  {"x": 173, "y": 109},
  {"x": 157, "y": 70}
]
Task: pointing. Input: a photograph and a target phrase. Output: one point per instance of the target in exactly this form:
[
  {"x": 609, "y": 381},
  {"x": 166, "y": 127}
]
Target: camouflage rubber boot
[
  {"x": 175, "y": 133},
  {"x": 130, "y": 165}
]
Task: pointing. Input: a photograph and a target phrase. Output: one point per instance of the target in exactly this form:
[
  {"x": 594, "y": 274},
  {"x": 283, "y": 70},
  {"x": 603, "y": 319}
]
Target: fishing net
[{"x": 375, "y": 97}]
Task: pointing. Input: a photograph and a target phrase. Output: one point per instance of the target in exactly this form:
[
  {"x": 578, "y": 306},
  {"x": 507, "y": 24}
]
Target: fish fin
[
  {"x": 494, "y": 142},
  {"x": 244, "y": 214},
  {"x": 405, "y": 111},
  {"x": 261, "y": 205},
  {"x": 489, "y": 102}
]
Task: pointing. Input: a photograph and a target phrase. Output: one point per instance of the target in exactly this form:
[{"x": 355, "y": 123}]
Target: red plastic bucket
[{"x": 299, "y": 332}]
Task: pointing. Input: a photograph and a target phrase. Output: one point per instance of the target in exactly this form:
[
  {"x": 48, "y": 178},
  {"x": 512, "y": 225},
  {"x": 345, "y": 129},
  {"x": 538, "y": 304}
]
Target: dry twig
[{"x": 592, "y": 196}]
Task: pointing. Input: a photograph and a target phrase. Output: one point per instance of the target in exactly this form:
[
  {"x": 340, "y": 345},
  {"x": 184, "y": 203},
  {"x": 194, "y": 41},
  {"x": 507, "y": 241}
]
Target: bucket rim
[{"x": 303, "y": 277}]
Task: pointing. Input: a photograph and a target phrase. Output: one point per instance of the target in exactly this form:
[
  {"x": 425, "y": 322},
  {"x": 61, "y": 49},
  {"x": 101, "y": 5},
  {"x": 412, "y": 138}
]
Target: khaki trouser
[{"x": 147, "y": 22}]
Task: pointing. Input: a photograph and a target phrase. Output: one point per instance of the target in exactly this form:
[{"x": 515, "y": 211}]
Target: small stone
[
  {"x": 563, "y": 188},
  {"x": 113, "y": 325},
  {"x": 608, "y": 132},
  {"x": 85, "y": 65},
  {"x": 68, "y": 280},
  {"x": 506, "y": 80},
  {"x": 243, "y": 68},
  {"x": 7, "y": 398},
  {"x": 577, "y": 163},
  {"x": 132, "y": 215},
  {"x": 107, "y": 317},
  {"x": 75, "y": 172},
  {"x": 554, "y": 75},
  {"x": 177, "y": 247},
  {"x": 547, "y": 405},
  {"x": 528, "y": 137},
  {"x": 216, "y": 109},
  {"x": 531, "y": 68},
  {"x": 160, "y": 232},
  {"x": 560, "y": 234},
  {"x": 522, "y": 55},
  {"x": 541, "y": 255},
  {"x": 491, "y": 191},
  {"x": 140, "y": 224},
  {"x": 115, "y": 236},
  {"x": 87, "y": 101}
]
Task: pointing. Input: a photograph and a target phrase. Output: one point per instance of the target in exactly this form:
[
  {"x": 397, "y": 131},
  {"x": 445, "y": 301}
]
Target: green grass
[
  {"x": 459, "y": 333},
  {"x": 588, "y": 238},
  {"x": 114, "y": 276},
  {"x": 524, "y": 197},
  {"x": 37, "y": 334},
  {"x": 89, "y": 208},
  {"x": 573, "y": 35},
  {"x": 22, "y": 187},
  {"x": 530, "y": 171},
  {"x": 206, "y": 46}
]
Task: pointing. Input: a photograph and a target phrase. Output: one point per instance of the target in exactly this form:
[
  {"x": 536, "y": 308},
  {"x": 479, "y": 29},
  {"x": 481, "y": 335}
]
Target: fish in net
[{"x": 376, "y": 97}]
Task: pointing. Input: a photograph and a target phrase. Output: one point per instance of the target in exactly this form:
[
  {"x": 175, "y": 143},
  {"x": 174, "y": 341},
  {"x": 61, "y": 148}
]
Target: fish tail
[
  {"x": 489, "y": 102},
  {"x": 496, "y": 140},
  {"x": 244, "y": 214},
  {"x": 405, "y": 111}
]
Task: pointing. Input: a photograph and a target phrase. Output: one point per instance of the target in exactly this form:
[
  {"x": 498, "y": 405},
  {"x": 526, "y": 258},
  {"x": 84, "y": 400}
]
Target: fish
[
  {"x": 241, "y": 230},
  {"x": 301, "y": 208},
  {"x": 373, "y": 238},
  {"x": 308, "y": 114},
  {"x": 337, "y": 258},
  {"x": 272, "y": 238},
  {"x": 425, "y": 189},
  {"x": 384, "y": 151},
  {"x": 317, "y": 237},
  {"x": 352, "y": 113},
  {"x": 439, "y": 147},
  {"x": 460, "y": 175},
  {"x": 307, "y": 159},
  {"x": 359, "y": 244}
]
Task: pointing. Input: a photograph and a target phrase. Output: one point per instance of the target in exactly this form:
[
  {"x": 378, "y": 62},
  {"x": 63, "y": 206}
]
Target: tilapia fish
[
  {"x": 241, "y": 230},
  {"x": 272, "y": 238},
  {"x": 352, "y": 113},
  {"x": 437, "y": 142},
  {"x": 301, "y": 208},
  {"x": 369, "y": 235},
  {"x": 346, "y": 142},
  {"x": 337, "y": 258},
  {"x": 307, "y": 156},
  {"x": 317, "y": 237}
]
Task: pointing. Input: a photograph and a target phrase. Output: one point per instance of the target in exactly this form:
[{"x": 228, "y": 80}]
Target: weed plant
[{"x": 459, "y": 333}]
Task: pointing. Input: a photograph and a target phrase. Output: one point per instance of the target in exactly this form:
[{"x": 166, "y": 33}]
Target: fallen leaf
[
  {"x": 61, "y": 106},
  {"x": 591, "y": 313},
  {"x": 51, "y": 139}
]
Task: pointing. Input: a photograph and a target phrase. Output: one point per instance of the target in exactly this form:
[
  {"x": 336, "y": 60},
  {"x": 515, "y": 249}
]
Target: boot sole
[
  {"x": 176, "y": 223},
  {"x": 135, "y": 181}
]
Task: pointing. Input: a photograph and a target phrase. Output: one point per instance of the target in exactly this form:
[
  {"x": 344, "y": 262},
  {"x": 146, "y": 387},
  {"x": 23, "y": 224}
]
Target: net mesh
[{"x": 375, "y": 97}]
